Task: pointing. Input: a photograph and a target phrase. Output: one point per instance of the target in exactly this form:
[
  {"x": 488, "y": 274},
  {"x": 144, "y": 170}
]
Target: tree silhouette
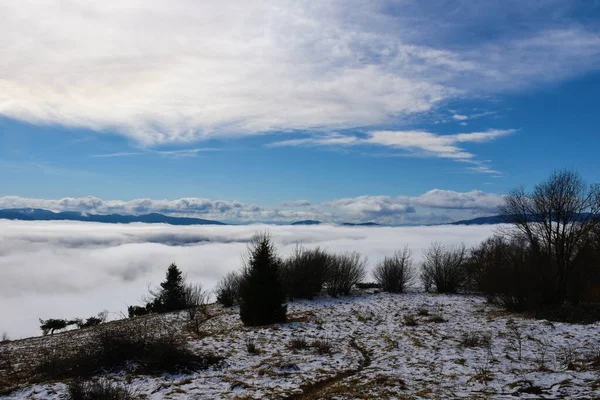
[
  {"x": 262, "y": 298},
  {"x": 171, "y": 296}
]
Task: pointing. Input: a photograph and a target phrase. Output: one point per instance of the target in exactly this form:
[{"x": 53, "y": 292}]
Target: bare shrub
[
  {"x": 397, "y": 273},
  {"x": 298, "y": 343},
  {"x": 483, "y": 370},
  {"x": 228, "y": 289},
  {"x": 345, "y": 271},
  {"x": 251, "y": 346},
  {"x": 410, "y": 320},
  {"x": 568, "y": 356},
  {"x": 476, "y": 339},
  {"x": 323, "y": 345},
  {"x": 304, "y": 272},
  {"x": 541, "y": 350},
  {"x": 97, "y": 390},
  {"x": 196, "y": 299},
  {"x": 515, "y": 337},
  {"x": 442, "y": 269},
  {"x": 5, "y": 338}
]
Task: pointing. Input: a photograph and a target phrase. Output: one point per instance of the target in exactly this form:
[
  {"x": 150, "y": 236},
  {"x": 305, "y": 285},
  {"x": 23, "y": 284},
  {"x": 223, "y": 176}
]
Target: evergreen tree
[
  {"x": 172, "y": 292},
  {"x": 262, "y": 298}
]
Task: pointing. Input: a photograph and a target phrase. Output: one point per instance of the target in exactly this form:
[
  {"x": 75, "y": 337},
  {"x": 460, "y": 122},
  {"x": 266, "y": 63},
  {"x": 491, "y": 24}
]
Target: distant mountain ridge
[
  {"x": 491, "y": 220},
  {"x": 36, "y": 214}
]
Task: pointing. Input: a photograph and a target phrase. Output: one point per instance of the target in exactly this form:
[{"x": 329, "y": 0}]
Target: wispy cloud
[
  {"x": 203, "y": 70},
  {"x": 422, "y": 143},
  {"x": 164, "y": 153}
]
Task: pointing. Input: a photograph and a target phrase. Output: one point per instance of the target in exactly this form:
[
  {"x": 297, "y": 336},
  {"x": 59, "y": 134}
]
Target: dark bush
[
  {"x": 395, "y": 274},
  {"x": 91, "y": 321},
  {"x": 345, "y": 271},
  {"x": 443, "y": 268},
  {"x": 97, "y": 390},
  {"x": 228, "y": 289},
  {"x": 137, "y": 311},
  {"x": 368, "y": 285},
  {"x": 506, "y": 272},
  {"x": 262, "y": 297},
  {"x": 304, "y": 273},
  {"x": 251, "y": 346},
  {"x": 135, "y": 348}
]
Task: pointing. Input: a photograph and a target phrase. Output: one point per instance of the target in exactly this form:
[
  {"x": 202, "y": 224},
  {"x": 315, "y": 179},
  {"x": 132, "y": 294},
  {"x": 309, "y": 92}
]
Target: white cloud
[
  {"x": 421, "y": 143},
  {"x": 164, "y": 71},
  {"x": 70, "y": 269},
  {"x": 384, "y": 209},
  {"x": 163, "y": 153},
  {"x": 460, "y": 117},
  {"x": 404, "y": 208},
  {"x": 448, "y": 199}
]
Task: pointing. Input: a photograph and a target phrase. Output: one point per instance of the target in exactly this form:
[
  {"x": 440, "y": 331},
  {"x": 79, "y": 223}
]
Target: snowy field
[
  {"x": 60, "y": 269},
  {"x": 408, "y": 346}
]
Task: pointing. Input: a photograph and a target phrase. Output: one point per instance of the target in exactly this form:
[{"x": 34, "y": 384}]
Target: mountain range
[{"x": 36, "y": 214}]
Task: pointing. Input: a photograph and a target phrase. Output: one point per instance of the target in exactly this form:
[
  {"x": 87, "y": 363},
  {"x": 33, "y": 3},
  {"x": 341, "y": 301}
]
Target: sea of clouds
[{"x": 59, "y": 269}]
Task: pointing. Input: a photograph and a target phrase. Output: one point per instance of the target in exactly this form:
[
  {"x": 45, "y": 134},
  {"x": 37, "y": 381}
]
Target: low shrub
[
  {"x": 410, "y": 320},
  {"x": 136, "y": 348},
  {"x": 251, "y": 346},
  {"x": 323, "y": 346},
  {"x": 476, "y": 339},
  {"x": 304, "y": 272},
  {"x": 298, "y": 343},
  {"x": 98, "y": 390}
]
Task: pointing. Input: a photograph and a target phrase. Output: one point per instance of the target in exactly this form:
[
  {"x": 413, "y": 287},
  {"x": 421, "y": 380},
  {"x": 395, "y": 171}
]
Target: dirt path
[{"x": 317, "y": 390}]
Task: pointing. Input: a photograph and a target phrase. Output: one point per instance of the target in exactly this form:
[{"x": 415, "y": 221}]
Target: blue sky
[{"x": 400, "y": 112}]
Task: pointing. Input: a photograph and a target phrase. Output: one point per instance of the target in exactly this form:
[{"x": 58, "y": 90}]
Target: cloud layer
[
  {"x": 71, "y": 269},
  {"x": 385, "y": 209},
  {"x": 165, "y": 71}
]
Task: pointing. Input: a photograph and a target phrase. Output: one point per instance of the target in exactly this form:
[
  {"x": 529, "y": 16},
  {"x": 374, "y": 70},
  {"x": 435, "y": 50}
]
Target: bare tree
[
  {"x": 395, "y": 274},
  {"x": 557, "y": 218},
  {"x": 443, "y": 268}
]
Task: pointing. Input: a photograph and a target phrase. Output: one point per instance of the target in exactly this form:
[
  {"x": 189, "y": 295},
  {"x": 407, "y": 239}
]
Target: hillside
[
  {"x": 34, "y": 214},
  {"x": 382, "y": 346}
]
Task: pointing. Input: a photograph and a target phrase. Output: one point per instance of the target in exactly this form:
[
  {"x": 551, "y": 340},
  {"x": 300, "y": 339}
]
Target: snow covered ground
[{"x": 383, "y": 346}]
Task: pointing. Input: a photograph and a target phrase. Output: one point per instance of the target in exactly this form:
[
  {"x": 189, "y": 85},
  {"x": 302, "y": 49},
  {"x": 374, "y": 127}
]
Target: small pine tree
[
  {"x": 262, "y": 298},
  {"x": 172, "y": 292}
]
